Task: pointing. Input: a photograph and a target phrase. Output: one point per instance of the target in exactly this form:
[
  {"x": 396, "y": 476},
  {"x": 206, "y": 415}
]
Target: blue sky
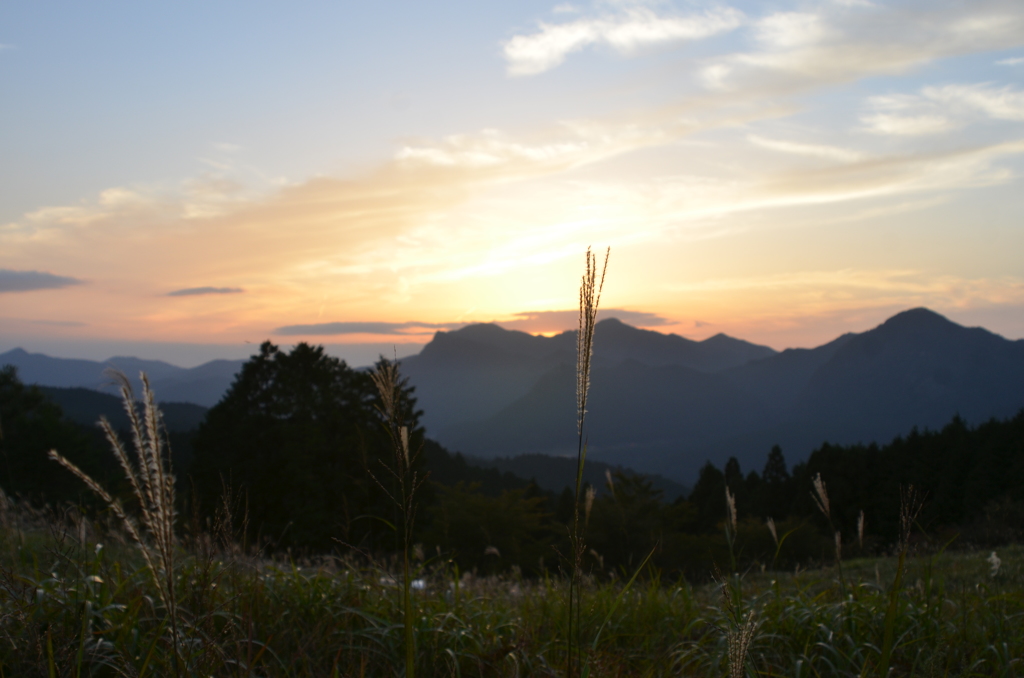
[{"x": 181, "y": 179}]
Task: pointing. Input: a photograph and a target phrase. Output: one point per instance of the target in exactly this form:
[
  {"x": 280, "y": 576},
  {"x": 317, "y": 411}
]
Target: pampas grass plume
[
  {"x": 730, "y": 505},
  {"x": 820, "y": 496}
]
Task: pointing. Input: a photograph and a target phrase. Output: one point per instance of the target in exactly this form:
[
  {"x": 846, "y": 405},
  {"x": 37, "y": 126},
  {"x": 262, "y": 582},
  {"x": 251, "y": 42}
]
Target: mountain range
[
  {"x": 202, "y": 385},
  {"x": 661, "y": 404}
]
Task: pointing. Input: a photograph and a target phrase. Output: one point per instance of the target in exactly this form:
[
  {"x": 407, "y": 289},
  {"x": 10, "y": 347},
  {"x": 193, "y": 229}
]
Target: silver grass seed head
[
  {"x": 730, "y": 505},
  {"x": 860, "y": 529},
  {"x": 771, "y": 528},
  {"x": 995, "y": 562},
  {"x": 820, "y": 496},
  {"x": 385, "y": 378},
  {"x": 739, "y": 643},
  {"x": 588, "y": 503},
  {"x": 590, "y": 300}
]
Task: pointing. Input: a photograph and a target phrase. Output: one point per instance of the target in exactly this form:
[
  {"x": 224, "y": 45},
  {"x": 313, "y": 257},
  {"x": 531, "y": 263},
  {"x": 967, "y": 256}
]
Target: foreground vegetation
[{"x": 78, "y": 600}]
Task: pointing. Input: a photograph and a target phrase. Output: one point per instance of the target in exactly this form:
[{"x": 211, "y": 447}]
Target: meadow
[{"x": 79, "y": 601}]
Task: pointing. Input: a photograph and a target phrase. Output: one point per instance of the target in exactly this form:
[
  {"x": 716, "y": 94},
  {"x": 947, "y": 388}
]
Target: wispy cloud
[
  {"x": 938, "y": 109},
  {"x": 527, "y": 321},
  {"x": 60, "y": 323},
  {"x": 907, "y": 125},
  {"x": 200, "y": 291},
  {"x": 788, "y": 30},
  {"x": 837, "y": 44},
  {"x": 953, "y": 170},
  {"x": 558, "y": 321},
  {"x": 1015, "y": 61},
  {"x": 812, "y": 150},
  {"x": 810, "y": 292},
  {"x": 999, "y": 103},
  {"x": 625, "y": 32},
  {"x": 336, "y": 328},
  {"x": 492, "y": 155},
  {"x": 788, "y": 308},
  {"x": 28, "y": 281}
]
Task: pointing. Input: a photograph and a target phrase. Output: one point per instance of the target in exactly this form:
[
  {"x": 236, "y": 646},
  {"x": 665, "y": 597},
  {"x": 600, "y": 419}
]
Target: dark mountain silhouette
[
  {"x": 203, "y": 385},
  {"x": 85, "y": 406},
  {"x": 779, "y": 380},
  {"x": 473, "y": 373},
  {"x": 663, "y": 404},
  {"x": 917, "y": 369}
]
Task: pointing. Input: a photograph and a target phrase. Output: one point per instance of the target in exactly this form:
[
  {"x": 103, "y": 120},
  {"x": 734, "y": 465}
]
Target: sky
[{"x": 183, "y": 181}]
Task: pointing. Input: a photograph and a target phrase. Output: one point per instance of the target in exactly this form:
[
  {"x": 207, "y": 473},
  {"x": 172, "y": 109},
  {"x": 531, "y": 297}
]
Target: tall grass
[
  {"x": 590, "y": 300},
  {"x": 910, "y": 507},
  {"x": 151, "y": 479},
  {"x": 407, "y": 483}
]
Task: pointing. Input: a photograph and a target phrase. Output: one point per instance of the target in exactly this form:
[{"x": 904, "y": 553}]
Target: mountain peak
[{"x": 919, "y": 319}]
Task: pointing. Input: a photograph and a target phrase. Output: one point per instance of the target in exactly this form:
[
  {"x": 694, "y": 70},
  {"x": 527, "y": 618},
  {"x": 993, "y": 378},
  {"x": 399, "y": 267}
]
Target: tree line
[{"x": 297, "y": 455}]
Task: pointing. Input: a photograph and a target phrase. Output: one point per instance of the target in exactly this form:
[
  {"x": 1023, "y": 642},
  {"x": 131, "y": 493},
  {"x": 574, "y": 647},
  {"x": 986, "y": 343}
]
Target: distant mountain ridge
[
  {"x": 671, "y": 408},
  {"x": 472, "y": 373},
  {"x": 661, "y": 404},
  {"x": 203, "y": 385}
]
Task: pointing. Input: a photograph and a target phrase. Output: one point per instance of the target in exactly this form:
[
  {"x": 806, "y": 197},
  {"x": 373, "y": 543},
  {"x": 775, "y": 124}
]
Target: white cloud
[
  {"x": 859, "y": 287},
  {"x": 625, "y": 32},
  {"x": 836, "y": 44},
  {"x": 792, "y": 29},
  {"x": 1003, "y": 103},
  {"x": 1016, "y": 61},
  {"x": 906, "y": 125},
  {"x": 700, "y": 202},
  {"x": 941, "y": 109},
  {"x": 811, "y": 150},
  {"x": 571, "y": 145}
]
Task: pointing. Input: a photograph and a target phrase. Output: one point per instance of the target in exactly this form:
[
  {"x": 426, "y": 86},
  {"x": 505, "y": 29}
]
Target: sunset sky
[{"x": 179, "y": 179}]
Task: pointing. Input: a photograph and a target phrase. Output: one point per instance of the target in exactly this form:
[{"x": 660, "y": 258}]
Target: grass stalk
[
  {"x": 152, "y": 482},
  {"x": 820, "y": 496},
  {"x": 408, "y": 482},
  {"x": 910, "y": 507},
  {"x": 590, "y": 299}
]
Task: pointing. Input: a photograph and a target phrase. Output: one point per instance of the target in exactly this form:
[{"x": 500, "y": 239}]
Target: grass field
[{"x": 71, "y": 607}]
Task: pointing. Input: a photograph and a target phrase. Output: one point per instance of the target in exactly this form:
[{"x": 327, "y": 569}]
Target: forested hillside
[{"x": 298, "y": 446}]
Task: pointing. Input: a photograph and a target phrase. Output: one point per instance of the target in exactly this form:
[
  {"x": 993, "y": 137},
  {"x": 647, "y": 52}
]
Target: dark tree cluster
[
  {"x": 30, "y": 426},
  {"x": 299, "y": 450},
  {"x": 299, "y": 442}
]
